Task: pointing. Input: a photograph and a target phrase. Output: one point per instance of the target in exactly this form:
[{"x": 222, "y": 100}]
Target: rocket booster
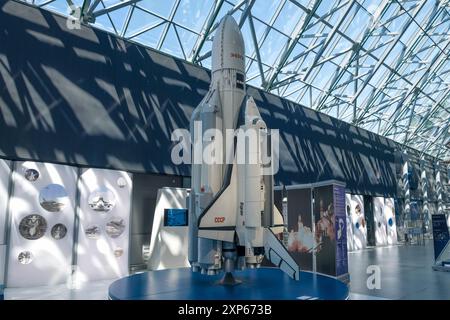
[{"x": 232, "y": 218}]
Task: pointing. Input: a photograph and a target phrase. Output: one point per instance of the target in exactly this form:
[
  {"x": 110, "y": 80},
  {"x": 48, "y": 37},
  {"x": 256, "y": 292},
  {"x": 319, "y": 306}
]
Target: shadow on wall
[
  {"x": 316, "y": 147},
  {"x": 86, "y": 97}
]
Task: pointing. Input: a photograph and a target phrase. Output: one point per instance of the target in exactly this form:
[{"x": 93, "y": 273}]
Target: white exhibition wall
[
  {"x": 379, "y": 221},
  {"x": 168, "y": 245},
  {"x": 5, "y": 172},
  {"x": 384, "y": 222},
  {"x": 389, "y": 212},
  {"x": 359, "y": 222},
  {"x": 103, "y": 239},
  {"x": 42, "y": 217},
  {"x": 350, "y": 227}
]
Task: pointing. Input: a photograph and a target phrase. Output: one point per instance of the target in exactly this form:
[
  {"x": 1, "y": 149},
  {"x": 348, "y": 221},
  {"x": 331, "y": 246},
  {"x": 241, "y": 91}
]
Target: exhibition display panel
[
  {"x": 169, "y": 240},
  {"x": 104, "y": 219},
  {"x": 348, "y": 212},
  {"x": 330, "y": 230},
  {"x": 391, "y": 225},
  {"x": 379, "y": 217},
  {"x": 42, "y": 209},
  {"x": 5, "y": 173},
  {"x": 301, "y": 240},
  {"x": 317, "y": 226},
  {"x": 359, "y": 222}
]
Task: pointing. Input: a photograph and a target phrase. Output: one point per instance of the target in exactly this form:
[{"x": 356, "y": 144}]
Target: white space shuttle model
[{"x": 232, "y": 217}]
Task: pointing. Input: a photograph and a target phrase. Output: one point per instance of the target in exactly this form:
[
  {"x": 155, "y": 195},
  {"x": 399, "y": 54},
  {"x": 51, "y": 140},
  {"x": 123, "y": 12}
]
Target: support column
[
  {"x": 447, "y": 191},
  {"x": 406, "y": 193},
  {"x": 424, "y": 190},
  {"x": 439, "y": 190}
]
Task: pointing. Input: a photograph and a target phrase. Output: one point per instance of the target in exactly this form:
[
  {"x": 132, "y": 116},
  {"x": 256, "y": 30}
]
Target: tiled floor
[
  {"x": 97, "y": 290},
  {"x": 405, "y": 274}
]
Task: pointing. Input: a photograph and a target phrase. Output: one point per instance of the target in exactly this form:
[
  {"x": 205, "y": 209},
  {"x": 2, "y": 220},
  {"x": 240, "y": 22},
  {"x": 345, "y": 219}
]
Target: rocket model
[{"x": 232, "y": 217}]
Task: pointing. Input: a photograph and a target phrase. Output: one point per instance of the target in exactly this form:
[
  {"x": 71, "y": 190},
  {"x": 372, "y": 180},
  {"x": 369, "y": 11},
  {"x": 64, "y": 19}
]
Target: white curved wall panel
[
  {"x": 350, "y": 227},
  {"x": 5, "y": 172},
  {"x": 389, "y": 212},
  {"x": 359, "y": 222},
  {"x": 380, "y": 221},
  {"x": 103, "y": 239},
  {"x": 42, "y": 217},
  {"x": 168, "y": 245}
]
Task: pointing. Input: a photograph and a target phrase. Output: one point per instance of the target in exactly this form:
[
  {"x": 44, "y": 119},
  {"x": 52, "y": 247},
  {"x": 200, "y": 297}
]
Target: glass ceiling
[{"x": 382, "y": 65}]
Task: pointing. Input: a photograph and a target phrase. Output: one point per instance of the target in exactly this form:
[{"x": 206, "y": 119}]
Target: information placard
[{"x": 440, "y": 234}]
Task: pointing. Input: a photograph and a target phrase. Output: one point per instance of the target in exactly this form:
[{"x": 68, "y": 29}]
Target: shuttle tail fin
[{"x": 277, "y": 253}]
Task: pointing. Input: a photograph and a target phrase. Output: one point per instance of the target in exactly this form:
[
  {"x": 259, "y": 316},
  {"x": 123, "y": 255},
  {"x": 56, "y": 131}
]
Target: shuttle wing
[{"x": 218, "y": 220}]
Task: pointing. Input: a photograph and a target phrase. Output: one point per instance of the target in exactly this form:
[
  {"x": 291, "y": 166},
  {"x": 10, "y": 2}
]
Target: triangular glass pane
[
  {"x": 78, "y": 3},
  {"x": 171, "y": 44},
  {"x": 188, "y": 40},
  {"x": 222, "y": 12},
  {"x": 264, "y": 9},
  {"x": 119, "y": 16},
  {"x": 60, "y": 6},
  {"x": 193, "y": 14},
  {"x": 289, "y": 17},
  {"x": 140, "y": 20},
  {"x": 103, "y": 22},
  {"x": 160, "y": 7},
  {"x": 151, "y": 37}
]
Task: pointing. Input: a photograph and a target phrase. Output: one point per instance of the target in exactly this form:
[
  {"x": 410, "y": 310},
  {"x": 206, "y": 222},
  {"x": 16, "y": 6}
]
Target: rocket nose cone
[{"x": 228, "y": 50}]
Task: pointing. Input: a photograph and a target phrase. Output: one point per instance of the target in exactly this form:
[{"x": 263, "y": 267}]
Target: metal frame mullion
[
  {"x": 206, "y": 29},
  {"x": 113, "y": 7},
  {"x": 300, "y": 29},
  {"x": 163, "y": 36}
]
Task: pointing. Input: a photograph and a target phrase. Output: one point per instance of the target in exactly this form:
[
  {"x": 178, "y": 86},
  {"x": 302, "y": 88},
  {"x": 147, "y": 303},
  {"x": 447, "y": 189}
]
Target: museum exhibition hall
[{"x": 194, "y": 150}]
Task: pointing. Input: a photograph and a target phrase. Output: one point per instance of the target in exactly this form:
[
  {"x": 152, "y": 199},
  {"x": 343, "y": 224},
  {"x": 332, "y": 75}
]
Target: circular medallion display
[
  {"x": 93, "y": 232},
  {"x": 32, "y": 227},
  {"x": 25, "y": 257},
  {"x": 115, "y": 227},
  {"x": 53, "y": 198},
  {"x": 59, "y": 231},
  {"x": 31, "y": 175},
  {"x": 102, "y": 200},
  {"x": 390, "y": 222},
  {"x": 121, "y": 182},
  {"x": 118, "y": 252}
]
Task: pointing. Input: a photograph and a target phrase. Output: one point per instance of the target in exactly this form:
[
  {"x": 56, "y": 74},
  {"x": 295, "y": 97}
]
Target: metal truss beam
[
  {"x": 116, "y": 6},
  {"x": 205, "y": 31},
  {"x": 388, "y": 51},
  {"x": 173, "y": 11},
  {"x": 401, "y": 62},
  {"x": 413, "y": 91},
  {"x": 298, "y": 32},
  {"x": 433, "y": 109}
]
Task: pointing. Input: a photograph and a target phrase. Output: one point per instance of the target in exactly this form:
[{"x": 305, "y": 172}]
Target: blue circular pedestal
[{"x": 257, "y": 284}]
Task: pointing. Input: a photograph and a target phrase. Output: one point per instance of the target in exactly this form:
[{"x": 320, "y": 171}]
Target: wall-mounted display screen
[{"x": 175, "y": 217}]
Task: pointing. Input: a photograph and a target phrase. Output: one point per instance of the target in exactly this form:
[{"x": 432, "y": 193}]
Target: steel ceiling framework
[{"x": 382, "y": 65}]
